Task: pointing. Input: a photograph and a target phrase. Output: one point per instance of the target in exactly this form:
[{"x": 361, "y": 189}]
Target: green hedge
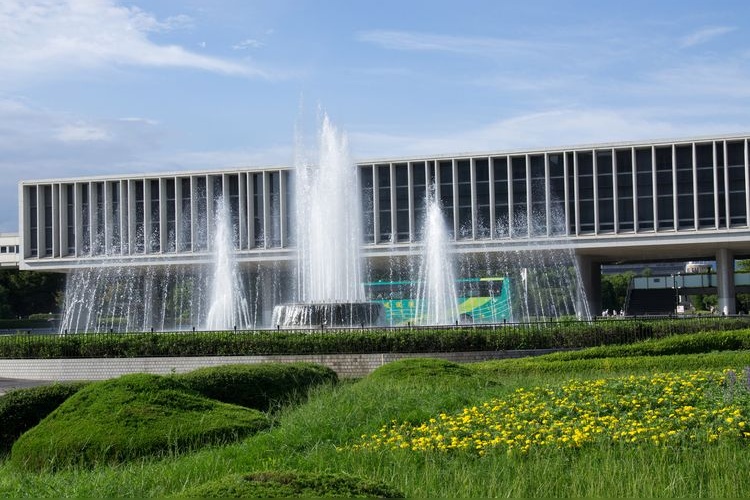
[
  {"x": 694, "y": 343},
  {"x": 262, "y": 386},
  {"x": 22, "y": 409},
  {"x": 130, "y": 417},
  {"x": 25, "y": 324},
  {"x": 264, "y": 342},
  {"x": 709, "y": 350}
]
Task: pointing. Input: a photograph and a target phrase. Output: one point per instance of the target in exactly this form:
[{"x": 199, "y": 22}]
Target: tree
[
  {"x": 27, "y": 292},
  {"x": 615, "y": 290}
]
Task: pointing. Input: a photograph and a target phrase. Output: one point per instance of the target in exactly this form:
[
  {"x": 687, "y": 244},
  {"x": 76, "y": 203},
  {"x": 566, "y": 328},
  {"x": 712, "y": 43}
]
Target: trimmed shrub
[
  {"x": 540, "y": 335},
  {"x": 286, "y": 484},
  {"x": 129, "y": 417},
  {"x": 259, "y": 386},
  {"x": 22, "y": 409},
  {"x": 694, "y": 343}
]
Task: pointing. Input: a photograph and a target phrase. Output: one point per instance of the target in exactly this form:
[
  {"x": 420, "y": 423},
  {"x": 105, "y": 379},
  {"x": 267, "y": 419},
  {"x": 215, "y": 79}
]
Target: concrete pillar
[
  {"x": 725, "y": 277},
  {"x": 589, "y": 298},
  {"x": 267, "y": 290}
]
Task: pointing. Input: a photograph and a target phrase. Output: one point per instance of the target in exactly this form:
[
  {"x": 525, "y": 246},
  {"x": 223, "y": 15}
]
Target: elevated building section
[{"x": 664, "y": 200}]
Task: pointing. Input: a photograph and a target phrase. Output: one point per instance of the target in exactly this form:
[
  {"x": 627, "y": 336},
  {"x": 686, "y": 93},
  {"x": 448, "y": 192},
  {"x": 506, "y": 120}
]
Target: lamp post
[{"x": 678, "y": 299}]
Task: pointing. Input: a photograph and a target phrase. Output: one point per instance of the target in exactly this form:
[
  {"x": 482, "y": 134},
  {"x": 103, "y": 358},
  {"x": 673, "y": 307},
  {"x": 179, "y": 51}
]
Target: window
[
  {"x": 664, "y": 187},
  {"x": 520, "y": 222},
  {"x": 736, "y": 181},
  {"x": 538, "y": 196},
  {"x": 586, "y": 190},
  {"x": 605, "y": 187},
  {"x": 684, "y": 171},
  {"x": 557, "y": 193},
  {"x": 367, "y": 204},
  {"x": 402, "y": 201},
  {"x": 482, "y": 180},
  {"x": 624, "y": 161},
  {"x": 445, "y": 171},
  {"x": 502, "y": 216},
  {"x": 644, "y": 187},
  {"x": 384, "y": 203},
  {"x": 463, "y": 173},
  {"x": 705, "y": 185}
]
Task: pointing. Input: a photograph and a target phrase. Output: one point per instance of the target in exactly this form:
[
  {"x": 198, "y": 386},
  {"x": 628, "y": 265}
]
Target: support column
[
  {"x": 268, "y": 292},
  {"x": 589, "y": 299},
  {"x": 725, "y": 285}
]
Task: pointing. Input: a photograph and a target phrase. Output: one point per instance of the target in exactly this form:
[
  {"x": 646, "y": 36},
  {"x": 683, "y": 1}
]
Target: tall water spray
[
  {"x": 228, "y": 306},
  {"x": 329, "y": 223},
  {"x": 436, "y": 297},
  {"x": 329, "y": 235}
]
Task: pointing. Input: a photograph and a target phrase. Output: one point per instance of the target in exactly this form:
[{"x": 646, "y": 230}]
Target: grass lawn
[{"x": 701, "y": 409}]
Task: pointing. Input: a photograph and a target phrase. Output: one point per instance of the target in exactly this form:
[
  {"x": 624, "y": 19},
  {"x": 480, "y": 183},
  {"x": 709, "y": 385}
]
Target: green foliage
[
  {"x": 129, "y": 417},
  {"x": 694, "y": 343},
  {"x": 28, "y": 292},
  {"x": 290, "y": 484},
  {"x": 542, "y": 335},
  {"x": 24, "y": 324},
  {"x": 312, "y": 438},
  {"x": 707, "y": 350},
  {"x": 262, "y": 386},
  {"x": 615, "y": 289},
  {"x": 419, "y": 370},
  {"x": 22, "y": 409}
]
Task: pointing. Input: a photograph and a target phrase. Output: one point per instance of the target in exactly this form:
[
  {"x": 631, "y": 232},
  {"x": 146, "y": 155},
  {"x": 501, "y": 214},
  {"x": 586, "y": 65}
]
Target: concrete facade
[{"x": 685, "y": 199}]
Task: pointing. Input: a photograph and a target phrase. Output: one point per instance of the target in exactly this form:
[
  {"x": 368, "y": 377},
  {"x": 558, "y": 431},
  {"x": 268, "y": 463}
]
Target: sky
[{"x": 108, "y": 87}]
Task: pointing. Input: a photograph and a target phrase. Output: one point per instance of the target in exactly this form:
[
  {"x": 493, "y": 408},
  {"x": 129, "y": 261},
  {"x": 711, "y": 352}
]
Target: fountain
[
  {"x": 135, "y": 287},
  {"x": 437, "y": 303},
  {"x": 123, "y": 295},
  {"x": 329, "y": 229},
  {"x": 228, "y": 306}
]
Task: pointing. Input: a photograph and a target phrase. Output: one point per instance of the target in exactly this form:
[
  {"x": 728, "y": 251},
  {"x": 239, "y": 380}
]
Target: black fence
[{"x": 568, "y": 334}]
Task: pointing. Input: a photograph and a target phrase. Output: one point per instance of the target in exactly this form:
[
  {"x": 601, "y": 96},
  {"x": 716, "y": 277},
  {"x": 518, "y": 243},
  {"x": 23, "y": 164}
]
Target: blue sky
[{"x": 94, "y": 87}]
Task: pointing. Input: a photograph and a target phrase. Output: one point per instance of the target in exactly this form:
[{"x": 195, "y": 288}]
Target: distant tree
[
  {"x": 27, "y": 292},
  {"x": 615, "y": 290},
  {"x": 5, "y": 309}
]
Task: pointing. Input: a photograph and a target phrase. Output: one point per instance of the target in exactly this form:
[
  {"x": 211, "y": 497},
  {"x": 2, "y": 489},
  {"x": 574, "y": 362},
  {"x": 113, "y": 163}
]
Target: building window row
[
  {"x": 671, "y": 187},
  {"x": 154, "y": 215},
  {"x": 614, "y": 190}
]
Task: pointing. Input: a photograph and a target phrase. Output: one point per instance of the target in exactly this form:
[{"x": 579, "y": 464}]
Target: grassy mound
[
  {"x": 22, "y": 409},
  {"x": 275, "y": 484},
  {"x": 129, "y": 417},
  {"x": 420, "y": 369},
  {"x": 705, "y": 350},
  {"x": 259, "y": 386}
]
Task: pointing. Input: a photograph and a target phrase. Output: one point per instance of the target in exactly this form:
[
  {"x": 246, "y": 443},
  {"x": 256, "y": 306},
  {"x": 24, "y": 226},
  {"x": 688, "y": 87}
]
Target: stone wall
[{"x": 345, "y": 365}]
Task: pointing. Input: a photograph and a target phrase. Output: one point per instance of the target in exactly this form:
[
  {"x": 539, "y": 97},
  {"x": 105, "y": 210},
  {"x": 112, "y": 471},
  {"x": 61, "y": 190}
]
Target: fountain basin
[{"x": 329, "y": 314}]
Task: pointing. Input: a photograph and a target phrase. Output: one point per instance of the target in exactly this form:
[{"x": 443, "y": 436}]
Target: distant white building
[{"x": 10, "y": 245}]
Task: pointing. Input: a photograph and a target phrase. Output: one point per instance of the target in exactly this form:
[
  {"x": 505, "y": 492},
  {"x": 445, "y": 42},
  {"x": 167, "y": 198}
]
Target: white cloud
[
  {"x": 80, "y": 132},
  {"x": 248, "y": 43},
  {"x": 43, "y": 37},
  {"x": 704, "y": 35},
  {"x": 411, "y": 41},
  {"x": 550, "y": 128}
]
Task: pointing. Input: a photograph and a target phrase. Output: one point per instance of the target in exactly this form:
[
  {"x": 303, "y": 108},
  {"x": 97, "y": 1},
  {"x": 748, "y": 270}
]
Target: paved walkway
[{"x": 8, "y": 384}]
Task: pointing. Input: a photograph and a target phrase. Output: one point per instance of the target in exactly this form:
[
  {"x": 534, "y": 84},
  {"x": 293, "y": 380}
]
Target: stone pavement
[{"x": 8, "y": 384}]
